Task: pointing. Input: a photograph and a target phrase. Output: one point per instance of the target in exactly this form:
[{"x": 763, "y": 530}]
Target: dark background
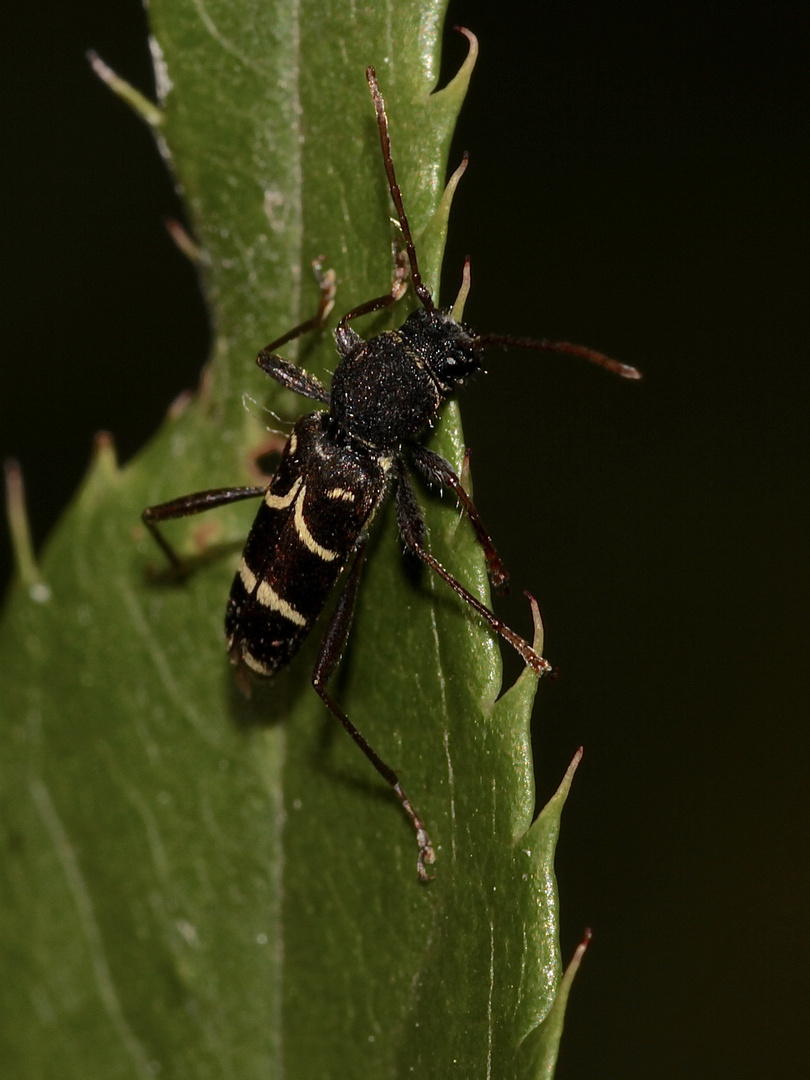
[{"x": 638, "y": 182}]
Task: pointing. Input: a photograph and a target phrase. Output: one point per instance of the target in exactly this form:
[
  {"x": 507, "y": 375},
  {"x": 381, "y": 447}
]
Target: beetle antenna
[
  {"x": 419, "y": 286},
  {"x": 565, "y": 347}
]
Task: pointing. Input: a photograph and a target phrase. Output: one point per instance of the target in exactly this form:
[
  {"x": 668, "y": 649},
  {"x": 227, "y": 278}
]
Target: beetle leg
[
  {"x": 438, "y": 471},
  {"x": 292, "y": 376},
  {"x": 329, "y": 654},
  {"x": 287, "y": 373},
  {"x": 187, "y": 505},
  {"x": 412, "y": 529}
]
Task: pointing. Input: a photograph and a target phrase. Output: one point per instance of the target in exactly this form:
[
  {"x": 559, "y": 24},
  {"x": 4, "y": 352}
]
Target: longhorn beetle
[{"x": 336, "y": 469}]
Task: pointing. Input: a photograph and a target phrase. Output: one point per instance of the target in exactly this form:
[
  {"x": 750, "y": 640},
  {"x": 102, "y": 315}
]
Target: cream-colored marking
[
  {"x": 255, "y": 665},
  {"x": 385, "y": 463},
  {"x": 305, "y": 536},
  {"x": 341, "y": 493},
  {"x": 281, "y": 502},
  {"x": 247, "y": 576},
  {"x": 292, "y": 445},
  {"x": 269, "y": 598}
]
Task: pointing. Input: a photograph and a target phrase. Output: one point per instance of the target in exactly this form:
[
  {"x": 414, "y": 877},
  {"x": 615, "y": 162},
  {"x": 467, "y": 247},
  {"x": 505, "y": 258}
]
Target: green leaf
[{"x": 204, "y": 886}]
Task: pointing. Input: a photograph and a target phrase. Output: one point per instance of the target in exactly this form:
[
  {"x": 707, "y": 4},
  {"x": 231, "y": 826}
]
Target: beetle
[{"x": 338, "y": 466}]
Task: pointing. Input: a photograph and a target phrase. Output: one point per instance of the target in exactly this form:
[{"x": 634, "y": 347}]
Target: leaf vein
[{"x": 89, "y": 924}]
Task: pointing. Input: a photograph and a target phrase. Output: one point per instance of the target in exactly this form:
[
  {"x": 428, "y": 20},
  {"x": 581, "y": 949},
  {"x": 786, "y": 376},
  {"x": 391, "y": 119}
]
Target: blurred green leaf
[{"x": 195, "y": 884}]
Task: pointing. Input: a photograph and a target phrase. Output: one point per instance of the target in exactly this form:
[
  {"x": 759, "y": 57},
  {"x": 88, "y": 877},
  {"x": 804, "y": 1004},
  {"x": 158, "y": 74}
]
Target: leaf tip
[
  {"x": 125, "y": 91},
  {"x": 564, "y": 989},
  {"x": 521, "y": 694},
  {"x": 557, "y": 800},
  {"x": 537, "y": 621},
  {"x": 183, "y": 242},
  {"x": 543, "y": 1042},
  {"x": 179, "y": 405},
  {"x": 104, "y": 459},
  {"x": 541, "y": 837},
  {"x": 20, "y": 529},
  {"x": 461, "y": 80}
]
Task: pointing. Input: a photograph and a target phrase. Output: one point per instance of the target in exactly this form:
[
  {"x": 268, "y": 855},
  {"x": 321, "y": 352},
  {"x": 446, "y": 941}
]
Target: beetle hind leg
[{"x": 332, "y": 646}]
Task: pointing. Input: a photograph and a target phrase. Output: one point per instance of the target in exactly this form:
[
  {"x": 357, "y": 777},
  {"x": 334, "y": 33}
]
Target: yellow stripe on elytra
[
  {"x": 305, "y": 536},
  {"x": 281, "y": 502},
  {"x": 247, "y": 576},
  {"x": 255, "y": 665},
  {"x": 268, "y": 597}
]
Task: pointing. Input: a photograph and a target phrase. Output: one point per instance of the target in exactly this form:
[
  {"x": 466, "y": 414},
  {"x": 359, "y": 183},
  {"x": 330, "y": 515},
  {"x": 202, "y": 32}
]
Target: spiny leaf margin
[{"x": 232, "y": 897}]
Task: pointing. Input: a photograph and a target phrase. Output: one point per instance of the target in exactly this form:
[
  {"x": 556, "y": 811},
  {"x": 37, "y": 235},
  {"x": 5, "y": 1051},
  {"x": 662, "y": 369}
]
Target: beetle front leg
[
  {"x": 437, "y": 470},
  {"x": 287, "y": 373},
  {"x": 412, "y": 529}
]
